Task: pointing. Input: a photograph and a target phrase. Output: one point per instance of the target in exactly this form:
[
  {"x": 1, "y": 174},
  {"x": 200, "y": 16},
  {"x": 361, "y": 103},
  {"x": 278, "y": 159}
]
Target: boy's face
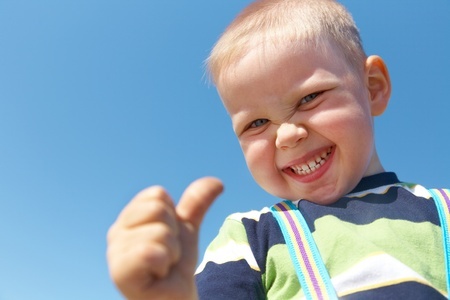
[{"x": 304, "y": 120}]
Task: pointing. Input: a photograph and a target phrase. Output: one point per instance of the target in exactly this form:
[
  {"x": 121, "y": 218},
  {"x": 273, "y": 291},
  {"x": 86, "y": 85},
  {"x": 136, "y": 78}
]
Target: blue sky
[{"x": 99, "y": 99}]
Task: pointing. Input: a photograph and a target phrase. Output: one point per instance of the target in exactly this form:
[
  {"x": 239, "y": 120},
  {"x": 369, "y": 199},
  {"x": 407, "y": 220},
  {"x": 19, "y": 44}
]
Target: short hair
[{"x": 293, "y": 21}]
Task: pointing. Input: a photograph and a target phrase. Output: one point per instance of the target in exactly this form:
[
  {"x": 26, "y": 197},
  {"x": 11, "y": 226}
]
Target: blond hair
[{"x": 283, "y": 22}]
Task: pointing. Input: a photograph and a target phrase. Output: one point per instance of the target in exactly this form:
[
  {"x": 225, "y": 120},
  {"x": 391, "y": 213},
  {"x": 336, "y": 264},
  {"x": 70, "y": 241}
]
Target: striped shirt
[{"x": 381, "y": 241}]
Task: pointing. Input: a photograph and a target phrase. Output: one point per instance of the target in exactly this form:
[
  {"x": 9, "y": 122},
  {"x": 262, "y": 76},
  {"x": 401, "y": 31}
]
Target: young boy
[{"x": 301, "y": 95}]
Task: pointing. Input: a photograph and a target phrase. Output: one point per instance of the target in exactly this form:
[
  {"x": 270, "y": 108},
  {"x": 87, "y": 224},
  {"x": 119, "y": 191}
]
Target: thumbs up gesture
[{"x": 152, "y": 246}]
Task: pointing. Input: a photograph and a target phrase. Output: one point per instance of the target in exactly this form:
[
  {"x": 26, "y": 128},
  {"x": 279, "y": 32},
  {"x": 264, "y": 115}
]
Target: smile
[{"x": 313, "y": 164}]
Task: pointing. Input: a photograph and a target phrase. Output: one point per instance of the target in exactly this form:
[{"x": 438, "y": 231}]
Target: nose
[{"x": 289, "y": 134}]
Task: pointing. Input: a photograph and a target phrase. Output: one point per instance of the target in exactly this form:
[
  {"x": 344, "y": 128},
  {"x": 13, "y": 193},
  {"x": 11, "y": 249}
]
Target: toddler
[{"x": 302, "y": 96}]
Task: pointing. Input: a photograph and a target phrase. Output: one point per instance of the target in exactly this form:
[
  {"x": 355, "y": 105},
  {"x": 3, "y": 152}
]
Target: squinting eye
[
  {"x": 259, "y": 122},
  {"x": 309, "y": 98}
]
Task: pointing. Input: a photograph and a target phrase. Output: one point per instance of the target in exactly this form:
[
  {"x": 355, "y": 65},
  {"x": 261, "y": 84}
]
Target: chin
[{"x": 322, "y": 197}]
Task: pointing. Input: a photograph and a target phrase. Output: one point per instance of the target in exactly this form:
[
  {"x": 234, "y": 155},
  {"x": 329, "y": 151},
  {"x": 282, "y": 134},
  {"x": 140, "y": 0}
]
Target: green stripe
[
  {"x": 231, "y": 230},
  {"x": 344, "y": 244},
  {"x": 280, "y": 279}
]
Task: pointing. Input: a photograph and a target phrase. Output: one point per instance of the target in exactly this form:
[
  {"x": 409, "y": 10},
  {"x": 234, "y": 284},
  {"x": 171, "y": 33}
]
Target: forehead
[{"x": 275, "y": 69}]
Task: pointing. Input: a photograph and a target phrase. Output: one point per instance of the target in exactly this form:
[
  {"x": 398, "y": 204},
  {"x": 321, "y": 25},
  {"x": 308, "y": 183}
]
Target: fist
[{"x": 152, "y": 246}]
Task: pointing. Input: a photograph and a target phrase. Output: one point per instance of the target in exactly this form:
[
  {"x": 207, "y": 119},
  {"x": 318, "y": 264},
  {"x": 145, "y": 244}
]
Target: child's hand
[{"x": 152, "y": 247}]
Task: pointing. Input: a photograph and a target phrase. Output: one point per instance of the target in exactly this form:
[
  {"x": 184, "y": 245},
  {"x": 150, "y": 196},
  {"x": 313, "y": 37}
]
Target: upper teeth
[{"x": 312, "y": 164}]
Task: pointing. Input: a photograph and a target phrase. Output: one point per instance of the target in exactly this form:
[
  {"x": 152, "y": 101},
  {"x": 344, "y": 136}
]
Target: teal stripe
[
  {"x": 441, "y": 204},
  {"x": 294, "y": 243}
]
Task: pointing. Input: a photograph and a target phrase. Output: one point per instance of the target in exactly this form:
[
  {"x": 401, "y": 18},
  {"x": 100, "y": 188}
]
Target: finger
[
  {"x": 145, "y": 250},
  {"x": 151, "y": 205},
  {"x": 197, "y": 198},
  {"x": 139, "y": 266},
  {"x": 151, "y": 234}
]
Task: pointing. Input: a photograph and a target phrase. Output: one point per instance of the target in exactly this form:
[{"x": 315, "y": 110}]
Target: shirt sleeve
[{"x": 229, "y": 269}]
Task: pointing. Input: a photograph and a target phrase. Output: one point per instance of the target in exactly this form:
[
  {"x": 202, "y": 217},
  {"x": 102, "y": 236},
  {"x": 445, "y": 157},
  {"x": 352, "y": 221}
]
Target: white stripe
[
  {"x": 230, "y": 252},
  {"x": 252, "y": 215},
  {"x": 375, "y": 271},
  {"x": 378, "y": 190},
  {"x": 415, "y": 189}
]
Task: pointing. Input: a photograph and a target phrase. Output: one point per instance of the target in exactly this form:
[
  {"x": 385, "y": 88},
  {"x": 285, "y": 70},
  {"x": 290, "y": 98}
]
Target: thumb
[{"x": 197, "y": 198}]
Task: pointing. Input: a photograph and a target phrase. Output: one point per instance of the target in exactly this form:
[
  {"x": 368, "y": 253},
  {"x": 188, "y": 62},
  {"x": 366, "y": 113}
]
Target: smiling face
[{"x": 304, "y": 119}]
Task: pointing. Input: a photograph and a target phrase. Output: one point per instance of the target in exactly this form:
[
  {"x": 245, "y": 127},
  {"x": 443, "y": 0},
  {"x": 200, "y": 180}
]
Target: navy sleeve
[{"x": 230, "y": 280}]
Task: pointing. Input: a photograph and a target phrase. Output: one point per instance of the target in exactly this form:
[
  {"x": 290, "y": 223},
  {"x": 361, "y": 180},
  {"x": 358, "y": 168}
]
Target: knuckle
[
  {"x": 155, "y": 208},
  {"x": 160, "y": 212},
  {"x": 163, "y": 242},
  {"x": 156, "y": 257},
  {"x": 148, "y": 252},
  {"x": 154, "y": 192},
  {"x": 168, "y": 236}
]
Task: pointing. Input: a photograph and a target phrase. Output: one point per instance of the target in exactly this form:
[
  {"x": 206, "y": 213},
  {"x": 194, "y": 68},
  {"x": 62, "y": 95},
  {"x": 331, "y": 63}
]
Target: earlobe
[{"x": 378, "y": 83}]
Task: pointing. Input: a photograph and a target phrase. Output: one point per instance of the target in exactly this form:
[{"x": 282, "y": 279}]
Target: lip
[{"x": 305, "y": 178}]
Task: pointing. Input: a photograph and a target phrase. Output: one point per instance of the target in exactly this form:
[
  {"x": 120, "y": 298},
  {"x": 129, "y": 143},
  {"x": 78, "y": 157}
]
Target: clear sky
[{"x": 99, "y": 99}]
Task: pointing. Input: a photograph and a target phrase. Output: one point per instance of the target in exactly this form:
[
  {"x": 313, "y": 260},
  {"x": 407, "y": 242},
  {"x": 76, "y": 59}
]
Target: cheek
[
  {"x": 352, "y": 132},
  {"x": 258, "y": 156},
  {"x": 348, "y": 120}
]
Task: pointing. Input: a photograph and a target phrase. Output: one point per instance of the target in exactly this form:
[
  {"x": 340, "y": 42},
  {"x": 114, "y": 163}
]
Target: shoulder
[
  {"x": 260, "y": 228},
  {"x": 244, "y": 236},
  {"x": 248, "y": 225},
  {"x": 400, "y": 190},
  {"x": 432, "y": 196},
  {"x": 244, "y": 227}
]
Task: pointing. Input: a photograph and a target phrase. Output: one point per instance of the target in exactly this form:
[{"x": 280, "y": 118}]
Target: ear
[{"x": 378, "y": 83}]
